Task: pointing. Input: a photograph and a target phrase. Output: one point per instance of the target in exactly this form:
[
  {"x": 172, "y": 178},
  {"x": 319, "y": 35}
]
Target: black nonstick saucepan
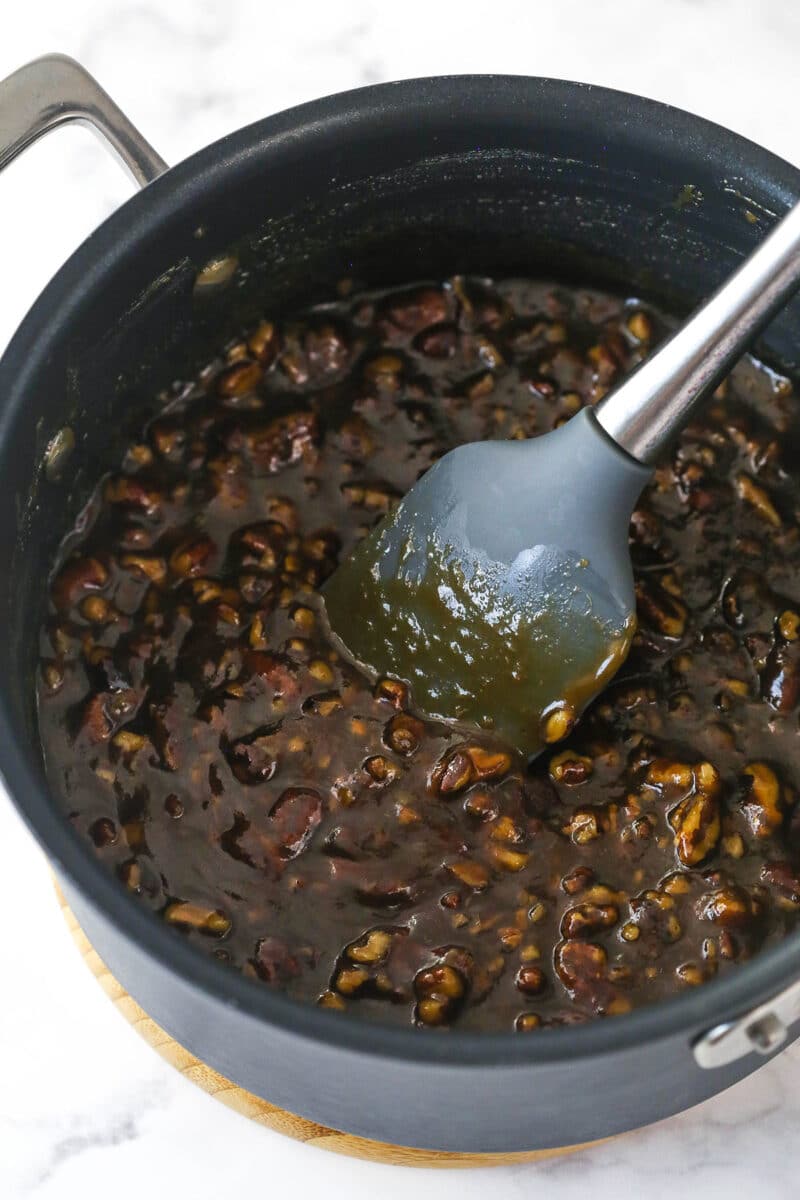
[{"x": 499, "y": 175}]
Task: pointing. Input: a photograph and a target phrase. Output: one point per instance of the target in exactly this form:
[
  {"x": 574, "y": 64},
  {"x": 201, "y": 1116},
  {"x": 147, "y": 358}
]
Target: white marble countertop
[{"x": 85, "y": 1108}]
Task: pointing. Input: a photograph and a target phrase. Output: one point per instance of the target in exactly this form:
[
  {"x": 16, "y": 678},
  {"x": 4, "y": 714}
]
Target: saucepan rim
[{"x": 695, "y": 141}]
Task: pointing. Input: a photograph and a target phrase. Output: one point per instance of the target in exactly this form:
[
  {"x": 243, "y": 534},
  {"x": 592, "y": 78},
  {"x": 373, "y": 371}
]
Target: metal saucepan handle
[
  {"x": 53, "y": 90},
  {"x": 762, "y": 1030}
]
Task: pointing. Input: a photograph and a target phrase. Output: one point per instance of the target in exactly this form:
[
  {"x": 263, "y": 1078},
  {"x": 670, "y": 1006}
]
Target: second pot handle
[{"x": 54, "y": 90}]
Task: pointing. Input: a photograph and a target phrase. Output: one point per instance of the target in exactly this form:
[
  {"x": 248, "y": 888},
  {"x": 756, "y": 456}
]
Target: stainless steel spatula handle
[{"x": 646, "y": 412}]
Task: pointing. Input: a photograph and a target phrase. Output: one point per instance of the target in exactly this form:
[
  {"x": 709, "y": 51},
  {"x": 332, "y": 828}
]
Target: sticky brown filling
[{"x": 310, "y": 829}]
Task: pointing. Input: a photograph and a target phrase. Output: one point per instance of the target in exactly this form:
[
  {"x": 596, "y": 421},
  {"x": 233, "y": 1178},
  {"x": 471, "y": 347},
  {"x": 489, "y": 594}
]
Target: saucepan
[{"x": 491, "y": 174}]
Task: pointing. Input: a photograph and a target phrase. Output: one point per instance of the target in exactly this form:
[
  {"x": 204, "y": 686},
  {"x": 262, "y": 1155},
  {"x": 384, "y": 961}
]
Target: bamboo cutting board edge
[{"x": 264, "y": 1113}]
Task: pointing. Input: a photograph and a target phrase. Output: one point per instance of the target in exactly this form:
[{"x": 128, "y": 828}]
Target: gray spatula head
[{"x": 500, "y": 589}]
